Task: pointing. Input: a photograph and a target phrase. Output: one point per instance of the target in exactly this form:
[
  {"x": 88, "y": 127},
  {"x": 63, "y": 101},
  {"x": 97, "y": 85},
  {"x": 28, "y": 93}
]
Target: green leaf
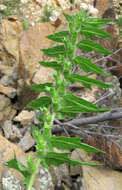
[
  {"x": 88, "y": 45},
  {"x": 88, "y": 81},
  {"x": 88, "y": 66},
  {"x": 43, "y": 101},
  {"x": 97, "y": 21},
  {"x": 68, "y": 17},
  {"x": 41, "y": 87},
  {"x": 55, "y": 51},
  {"x": 93, "y": 31},
  {"x": 51, "y": 64},
  {"x": 78, "y": 109},
  {"x": 69, "y": 143},
  {"x": 71, "y": 100},
  {"x": 59, "y": 36},
  {"x": 53, "y": 158},
  {"x": 15, "y": 164}
]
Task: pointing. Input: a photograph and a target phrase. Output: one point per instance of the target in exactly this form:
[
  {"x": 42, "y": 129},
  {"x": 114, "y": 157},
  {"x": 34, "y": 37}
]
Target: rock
[
  {"x": 7, "y": 151},
  {"x": 7, "y": 111},
  {"x": 24, "y": 117},
  {"x": 9, "y": 37},
  {"x": 113, "y": 149},
  {"x": 43, "y": 75},
  {"x": 105, "y": 8},
  {"x": 2, "y": 7},
  {"x": 8, "y": 91},
  {"x": 101, "y": 178},
  {"x": 10, "y": 182},
  {"x": 94, "y": 178},
  {"x": 31, "y": 42},
  {"x": 6, "y": 81},
  {"x": 11, "y": 131},
  {"x": 26, "y": 142},
  {"x": 44, "y": 180},
  {"x": 118, "y": 8}
]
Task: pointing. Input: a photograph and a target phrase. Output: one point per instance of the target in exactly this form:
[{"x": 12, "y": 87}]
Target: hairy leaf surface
[
  {"x": 55, "y": 51},
  {"x": 71, "y": 143},
  {"x": 41, "y": 102},
  {"x": 41, "y": 87},
  {"x": 52, "y": 64},
  {"x": 53, "y": 158},
  {"x": 88, "y": 45},
  {"x": 88, "y": 66},
  {"x": 59, "y": 36},
  {"x": 93, "y": 31},
  {"x": 88, "y": 82}
]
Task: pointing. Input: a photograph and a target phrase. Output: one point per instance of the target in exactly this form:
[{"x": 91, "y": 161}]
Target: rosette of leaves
[{"x": 58, "y": 103}]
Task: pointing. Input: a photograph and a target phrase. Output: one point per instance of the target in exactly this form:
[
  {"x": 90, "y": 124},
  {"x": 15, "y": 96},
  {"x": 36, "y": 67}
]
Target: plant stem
[{"x": 33, "y": 175}]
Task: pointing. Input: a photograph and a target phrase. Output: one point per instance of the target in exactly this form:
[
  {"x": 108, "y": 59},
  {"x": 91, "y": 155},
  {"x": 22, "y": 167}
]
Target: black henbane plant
[{"x": 59, "y": 103}]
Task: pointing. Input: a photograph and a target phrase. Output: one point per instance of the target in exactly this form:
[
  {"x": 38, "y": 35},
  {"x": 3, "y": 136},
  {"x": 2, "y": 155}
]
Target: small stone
[
  {"x": 8, "y": 91},
  {"x": 2, "y": 7},
  {"x": 10, "y": 182},
  {"x": 26, "y": 142},
  {"x": 5, "y": 81},
  {"x": 11, "y": 131},
  {"x": 24, "y": 117}
]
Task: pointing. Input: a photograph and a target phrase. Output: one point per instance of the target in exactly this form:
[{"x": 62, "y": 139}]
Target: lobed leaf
[
  {"x": 68, "y": 143},
  {"x": 88, "y": 45},
  {"x": 55, "y": 51},
  {"x": 53, "y": 158},
  {"x": 87, "y": 81},
  {"x": 59, "y": 36},
  {"x": 88, "y": 66},
  {"x": 15, "y": 164}
]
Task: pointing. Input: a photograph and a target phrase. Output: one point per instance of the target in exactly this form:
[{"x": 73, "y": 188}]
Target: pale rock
[
  {"x": 9, "y": 36},
  {"x": 43, "y": 75},
  {"x": 6, "y": 109},
  {"x": 26, "y": 142},
  {"x": 6, "y": 70},
  {"x": 8, "y": 91},
  {"x": 10, "y": 182},
  {"x": 2, "y": 7},
  {"x": 44, "y": 180},
  {"x": 8, "y": 149},
  {"x": 6, "y": 81},
  {"x": 101, "y": 178},
  {"x": 76, "y": 170},
  {"x": 24, "y": 117},
  {"x": 93, "y": 11},
  {"x": 31, "y": 42},
  {"x": 11, "y": 131},
  {"x": 84, "y": 6},
  {"x": 24, "y": 1}
]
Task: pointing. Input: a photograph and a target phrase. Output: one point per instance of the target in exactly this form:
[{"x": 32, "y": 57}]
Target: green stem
[{"x": 33, "y": 175}]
